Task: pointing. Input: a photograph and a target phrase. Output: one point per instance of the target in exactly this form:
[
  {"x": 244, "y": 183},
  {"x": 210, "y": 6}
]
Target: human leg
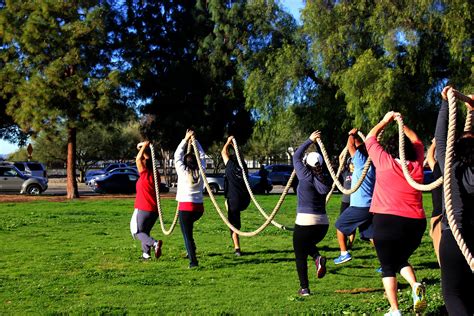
[
  {"x": 390, "y": 286},
  {"x": 456, "y": 277},
  {"x": 234, "y": 219},
  {"x": 435, "y": 233},
  {"x": 300, "y": 247},
  {"x": 186, "y": 220},
  {"x": 145, "y": 222}
]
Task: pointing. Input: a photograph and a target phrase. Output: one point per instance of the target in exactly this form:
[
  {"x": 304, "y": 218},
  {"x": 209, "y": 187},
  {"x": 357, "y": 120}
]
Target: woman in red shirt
[
  {"x": 146, "y": 212},
  {"x": 399, "y": 219}
]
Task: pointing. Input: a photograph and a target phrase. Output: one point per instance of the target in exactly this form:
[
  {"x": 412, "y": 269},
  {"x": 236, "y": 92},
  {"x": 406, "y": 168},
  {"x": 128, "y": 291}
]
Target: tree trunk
[{"x": 72, "y": 191}]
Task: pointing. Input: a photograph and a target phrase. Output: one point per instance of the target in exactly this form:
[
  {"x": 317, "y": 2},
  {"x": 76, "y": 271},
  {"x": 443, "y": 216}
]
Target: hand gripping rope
[
  {"x": 452, "y": 95},
  {"x": 214, "y": 202},
  {"x": 401, "y": 140},
  {"x": 249, "y": 189},
  {"x": 158, "y": 201},
  {"x": 335, "y": 177}
]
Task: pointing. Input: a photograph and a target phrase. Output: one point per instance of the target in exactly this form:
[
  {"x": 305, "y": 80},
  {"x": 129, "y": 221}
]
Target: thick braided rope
[
  {"x": 249, "y": 189},
  {"x": 338, "y": 174},
  {"x": 406, "y": 173},
  {"x": 158, "y": 200},
  {"x": 335, "y": 178},
  {"x": 448, "y": 176},
  {"x": 216, "y": 205},
  {"x": 344, "y": 153}
]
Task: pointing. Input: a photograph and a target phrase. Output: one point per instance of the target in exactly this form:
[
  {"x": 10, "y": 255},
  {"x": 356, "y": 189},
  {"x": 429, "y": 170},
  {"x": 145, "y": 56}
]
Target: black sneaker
[
  {"x": 193, "y": 265},
  {"x": 238, "y": 253},
  {"x": 158, "y": 246},
  {"x": 304, "y": 292}
]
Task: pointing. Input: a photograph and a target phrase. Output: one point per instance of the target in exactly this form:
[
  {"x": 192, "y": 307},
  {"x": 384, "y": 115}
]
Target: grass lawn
[{"x": 78, "y": 257}]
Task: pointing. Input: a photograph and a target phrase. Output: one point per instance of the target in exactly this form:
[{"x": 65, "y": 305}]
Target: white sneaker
[
  {"x": 146, "y": 256},
  {"x": 393, "y": 313}
]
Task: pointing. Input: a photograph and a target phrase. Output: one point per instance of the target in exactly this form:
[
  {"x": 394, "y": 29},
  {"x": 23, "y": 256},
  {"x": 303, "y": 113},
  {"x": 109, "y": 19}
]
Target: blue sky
[{"x": 293, "y": 6}]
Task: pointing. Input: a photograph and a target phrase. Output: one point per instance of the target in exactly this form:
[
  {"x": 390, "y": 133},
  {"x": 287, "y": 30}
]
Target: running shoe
[
  {"x": 238, "y": 253},
  {"x": 419, "y": 299},
  {"x": 393, "y": 313},
  {"x": 304, "y": 292},
  {"x": 320, "y": 263},
  {"x": 343, "y": 258},
  {"x": 158, "y": 246}
]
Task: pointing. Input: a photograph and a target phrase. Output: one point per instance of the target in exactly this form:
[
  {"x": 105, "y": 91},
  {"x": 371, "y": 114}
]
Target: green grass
[{"x": 78, "y": 257}]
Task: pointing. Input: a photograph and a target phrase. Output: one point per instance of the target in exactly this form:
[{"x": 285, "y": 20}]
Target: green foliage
[
  {"x": 91, "y": 265},
  {"x": 384, "y": 55}
]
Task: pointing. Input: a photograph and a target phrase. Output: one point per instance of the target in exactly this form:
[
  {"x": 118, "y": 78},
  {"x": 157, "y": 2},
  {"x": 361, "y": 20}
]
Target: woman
[
  {"x": 146, "y": 212},
  {"x": 456, "y": 275},
  {"x": 189, "y": 195},
  {"x": 312, "y": 223},
  {"x": 399, "y": 219},
  {"x": 237, "y": 196}
]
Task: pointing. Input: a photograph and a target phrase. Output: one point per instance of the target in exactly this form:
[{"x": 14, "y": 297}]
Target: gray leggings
[{"x": 145, "y": 222}]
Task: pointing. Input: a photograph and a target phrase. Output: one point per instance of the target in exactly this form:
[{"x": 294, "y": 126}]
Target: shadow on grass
[{"x": 252, "y": 253}]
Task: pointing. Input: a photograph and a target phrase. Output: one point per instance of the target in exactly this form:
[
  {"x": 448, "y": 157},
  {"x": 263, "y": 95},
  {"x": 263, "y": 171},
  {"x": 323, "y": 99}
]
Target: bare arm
[
  {"x": 375, "y": 131},
  {"x": 351, "y": 146},
  {"x": 140, "y": 160},
  {"x": 430, "y": 155},
  {"x": 225, "y": 150},
  {"x": 410, "y": 134}
]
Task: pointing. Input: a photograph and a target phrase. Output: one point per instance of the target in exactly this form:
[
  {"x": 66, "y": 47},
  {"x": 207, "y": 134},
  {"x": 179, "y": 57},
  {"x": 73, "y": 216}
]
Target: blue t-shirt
[{"x": 363, "y": 196}]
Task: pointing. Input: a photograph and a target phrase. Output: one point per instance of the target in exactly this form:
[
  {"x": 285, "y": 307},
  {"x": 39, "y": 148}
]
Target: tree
[
  {"x": 58, "y": 68},
  {"x": 383, "y": 55},
  {"x": 95, "y": 143}
]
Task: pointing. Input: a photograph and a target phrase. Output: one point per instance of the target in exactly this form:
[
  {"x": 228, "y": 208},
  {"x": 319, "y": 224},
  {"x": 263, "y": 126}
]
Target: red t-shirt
[
  {"x": 392, "y": 193},
  {"x": 146, "y": 197}
]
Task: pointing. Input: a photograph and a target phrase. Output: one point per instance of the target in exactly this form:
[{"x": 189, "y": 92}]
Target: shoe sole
[
  {"x": 321, "y": 268},
  {"x": 420, "y": 305},
  {"x": 345, "y": 260},
  {"x": 158, "y": 249}
]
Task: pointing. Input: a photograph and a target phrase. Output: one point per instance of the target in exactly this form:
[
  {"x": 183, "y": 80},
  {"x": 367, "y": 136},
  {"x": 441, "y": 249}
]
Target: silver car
[{"x": 13, "y": 181}]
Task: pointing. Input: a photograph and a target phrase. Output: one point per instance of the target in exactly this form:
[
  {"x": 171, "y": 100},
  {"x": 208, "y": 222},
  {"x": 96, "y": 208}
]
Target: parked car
[
  {"x": 116, "y": 170},
  {"x": 122, "y": 182},
  {"x": 216, "y": 183},
  {"x": 30, "y": 168},
  {"x": 14, "y": 181},
  {"x": 280, "y": 174},
  {"x": 91, "y": 173}
]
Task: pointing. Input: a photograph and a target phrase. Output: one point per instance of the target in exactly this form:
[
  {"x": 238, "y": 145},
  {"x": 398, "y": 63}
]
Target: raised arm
[
  {"x": 225, "y": 150},
  {"x": 140, "y": 159},
  {"x": 351, "y": 145},
  {"x": 441, "y": 132},
  {"x": 180, "y": 152},
  {"x": 375, "y": 131},
  {"x": 301, "y": 170},
  {"x": 410, "y": 134}
]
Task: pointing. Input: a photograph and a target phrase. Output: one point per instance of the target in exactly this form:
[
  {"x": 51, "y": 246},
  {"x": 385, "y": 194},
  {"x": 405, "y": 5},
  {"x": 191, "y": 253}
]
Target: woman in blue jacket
[{"x": 312, "y": 223}]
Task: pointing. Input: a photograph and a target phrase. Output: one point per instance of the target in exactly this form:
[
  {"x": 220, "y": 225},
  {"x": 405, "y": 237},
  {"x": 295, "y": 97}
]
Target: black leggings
[
  {"x": 456, "y": 276},
  {"x": 186, "y": 221},
  {"x": 305, "y": 239},
  {"x": 395, "y": 240}
]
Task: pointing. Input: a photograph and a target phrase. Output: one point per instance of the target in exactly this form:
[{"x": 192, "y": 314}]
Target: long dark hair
[
  {"x": 191, "y": 164},
  {"x": 464, "y": 149},
  {"x": 149, "y": 160},
  {"x": 392, "y": 147}
]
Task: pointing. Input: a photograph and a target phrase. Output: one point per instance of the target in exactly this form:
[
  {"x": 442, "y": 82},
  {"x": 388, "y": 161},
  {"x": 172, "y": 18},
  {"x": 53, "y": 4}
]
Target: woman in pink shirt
[{"x": 399, "y": 220}]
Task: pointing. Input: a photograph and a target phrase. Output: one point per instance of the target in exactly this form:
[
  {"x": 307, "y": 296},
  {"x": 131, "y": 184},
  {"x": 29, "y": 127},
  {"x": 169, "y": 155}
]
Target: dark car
[
  {"x": 120, "y": 183},
  {"x": 280, "y": 174},
  {"x": 108, "y": 168},
  {"x": 93, "y": 178}
]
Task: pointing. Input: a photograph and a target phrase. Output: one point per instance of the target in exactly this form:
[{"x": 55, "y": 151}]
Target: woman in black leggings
[
  {"x": 311, "y": 224},
  {"x": 457, "y": 278}
]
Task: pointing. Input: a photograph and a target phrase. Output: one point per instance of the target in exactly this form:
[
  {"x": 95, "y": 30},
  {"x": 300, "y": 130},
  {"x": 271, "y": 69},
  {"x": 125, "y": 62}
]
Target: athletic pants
[
  {"x": 186, "y": 221},
  {"x": 395, "y": 240},
  {"x": 305, "y": 239},
  {"x": 457, "y": 279},
  {"x": 145, "y": 222}
]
